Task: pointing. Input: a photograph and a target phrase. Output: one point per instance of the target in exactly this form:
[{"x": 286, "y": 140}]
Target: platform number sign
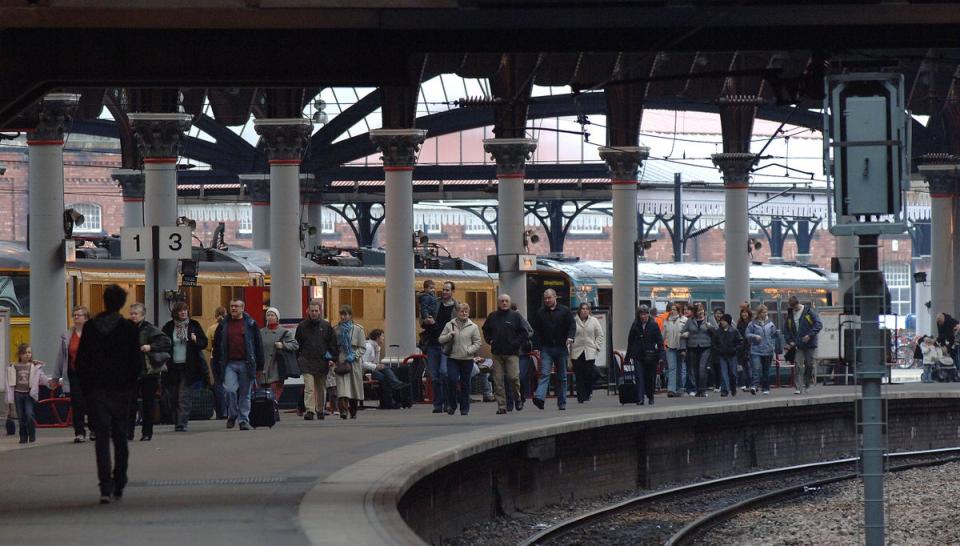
[
  {"x": 175, "y": 243},
  {"x": 136, "y": 243}
]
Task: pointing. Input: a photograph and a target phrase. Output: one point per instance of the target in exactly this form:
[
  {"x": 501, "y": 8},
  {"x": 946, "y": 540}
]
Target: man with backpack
[{"x": 800, "y": 331}]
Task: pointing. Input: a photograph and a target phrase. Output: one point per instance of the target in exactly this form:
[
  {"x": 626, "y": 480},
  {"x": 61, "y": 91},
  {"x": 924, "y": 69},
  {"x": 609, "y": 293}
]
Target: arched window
[{"x": 91, "y": 218}]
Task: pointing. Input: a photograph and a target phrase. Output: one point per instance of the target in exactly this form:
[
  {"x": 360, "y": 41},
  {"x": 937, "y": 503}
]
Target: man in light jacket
[{"x": 675, "y": 347}]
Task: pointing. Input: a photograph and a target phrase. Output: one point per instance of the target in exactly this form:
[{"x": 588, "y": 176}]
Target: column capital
[
  {"x": 257, "y": 187},
  {"x": 285, "y": 138},
  {"x": 942, "y": 173},
  {"x": 735, "y": 168},
  {"x": 510, "y": 154},
  {"x": 132, "y": 183},
  {"x": 399, "y": 147},
  {"x": 159, "y": 136},
  {"x": 56, "y": 111},
  {"x": 624, "y": 162}
]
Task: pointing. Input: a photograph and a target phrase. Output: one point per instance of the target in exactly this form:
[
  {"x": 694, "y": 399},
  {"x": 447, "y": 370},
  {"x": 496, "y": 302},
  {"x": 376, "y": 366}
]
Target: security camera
[
  {"x": 3, "y": 170},
  {"x": 71, "y": 218}
]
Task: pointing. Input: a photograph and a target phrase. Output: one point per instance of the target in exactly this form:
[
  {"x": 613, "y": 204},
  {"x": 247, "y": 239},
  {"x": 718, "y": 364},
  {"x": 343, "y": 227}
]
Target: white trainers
[
  {"x": 79, "y": 439},
  {"x": 766, "y": 393},
  {"x": 744, "y": 388},
  {"x": 796, "y": 391}
]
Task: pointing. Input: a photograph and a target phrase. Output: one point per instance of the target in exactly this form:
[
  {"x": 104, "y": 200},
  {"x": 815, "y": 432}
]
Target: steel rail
[{"x": 572, "y": 524}]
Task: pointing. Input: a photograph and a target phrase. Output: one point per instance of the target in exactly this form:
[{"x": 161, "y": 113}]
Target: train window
[
  {"x": 478, "y": 304},
  {"x": 605, "y": 298},
  {"x": 140, "y": 293},
  {"x": 230, "y": 293},
  {"x": 354, "y": 298},
  {"x": 96, "y": 299},
  {"x": 194, "y": 299}
]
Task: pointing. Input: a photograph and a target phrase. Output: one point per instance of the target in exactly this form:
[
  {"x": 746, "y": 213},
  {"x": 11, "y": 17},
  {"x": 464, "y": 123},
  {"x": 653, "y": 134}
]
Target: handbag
[
  {"x": 342, "y": 368},
  {"x": 287, "y": 364}
]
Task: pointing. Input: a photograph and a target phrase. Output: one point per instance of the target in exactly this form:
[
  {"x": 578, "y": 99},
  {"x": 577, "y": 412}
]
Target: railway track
[{"x": 682, "y": 515}]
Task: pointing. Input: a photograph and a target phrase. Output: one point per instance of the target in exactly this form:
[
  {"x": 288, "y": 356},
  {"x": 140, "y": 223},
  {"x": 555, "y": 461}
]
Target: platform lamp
[{"x": 71, "y": 218}]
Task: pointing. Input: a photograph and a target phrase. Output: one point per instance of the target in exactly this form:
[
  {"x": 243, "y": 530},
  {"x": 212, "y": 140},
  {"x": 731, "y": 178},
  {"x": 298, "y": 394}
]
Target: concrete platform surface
[{"x": 300, "y": 482}]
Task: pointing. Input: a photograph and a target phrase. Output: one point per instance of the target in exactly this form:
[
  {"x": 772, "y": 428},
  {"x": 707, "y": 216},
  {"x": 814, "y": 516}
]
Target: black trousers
[
  {"x": 78, "y": 405},
  {"x": 698, "y": 359},
  {"x": 647, "y": 378},
  {"x": 584, "y": 375},
  {"x": 148, "y": 402},
  {"x": 109, "y": 412}
]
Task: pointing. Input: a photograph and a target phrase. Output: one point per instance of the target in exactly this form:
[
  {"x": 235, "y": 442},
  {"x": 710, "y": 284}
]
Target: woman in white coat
[{"x": 587, "y": 344}]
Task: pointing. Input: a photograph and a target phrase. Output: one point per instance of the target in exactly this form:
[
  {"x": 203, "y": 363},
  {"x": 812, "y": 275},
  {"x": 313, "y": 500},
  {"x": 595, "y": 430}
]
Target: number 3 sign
[{"x": 175, "y": 243}]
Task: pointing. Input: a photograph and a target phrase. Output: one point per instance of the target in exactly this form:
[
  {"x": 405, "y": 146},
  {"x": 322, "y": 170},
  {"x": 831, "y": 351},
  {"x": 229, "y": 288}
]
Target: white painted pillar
[
  {"x": 511, "y": 155},
  {"x": 159, "y": 137},
  {"x": 399, "y": 148},
  {"x": 48, "y": 283},
  {"x": 624, "y": 164},
  {"x": 286, "y": 139},
  {"x": 736, "y": 171},
  {"x": 942, "y": 173},
  {"x": 131, "y": 186}
]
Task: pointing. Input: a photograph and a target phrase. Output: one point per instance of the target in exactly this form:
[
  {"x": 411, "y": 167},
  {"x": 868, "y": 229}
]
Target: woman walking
[
  {"x": 698, "y": 333},
  {"x": 763, "y": 336},
  {"x": 743, "y": 353},
  {"x": 587, "y": 344},
  {"x": 187, "y": 363},
  {"x": 644, "y": 348},
  {"x": 275, "y": 338},
  {"x": 674, "y": 348},
  {"x": 462, "y": 337},
  {"x": 351, "y": 338}
]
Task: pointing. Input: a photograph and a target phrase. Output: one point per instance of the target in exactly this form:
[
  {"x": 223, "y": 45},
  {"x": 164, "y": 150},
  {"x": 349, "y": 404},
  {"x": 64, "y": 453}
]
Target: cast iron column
[
  {"x": 285, "y": 139},
  {"x": 942, "y": 172},
  {"x": 48, "y": 282},
  {"x": 736, "y": 174},
  {"x": 159, "y": 141},
  {"x": 624, "y": 164},
  {"x": 399, "y": 148},
  {"x": 131, "y": 186},
  {"x": 510, "y": 155}
]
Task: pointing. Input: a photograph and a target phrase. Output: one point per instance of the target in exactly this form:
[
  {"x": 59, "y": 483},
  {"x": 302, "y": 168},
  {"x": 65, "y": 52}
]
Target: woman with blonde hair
[
  {"x": 349, "y": 370},
  {"x": 762, "y": 334}
]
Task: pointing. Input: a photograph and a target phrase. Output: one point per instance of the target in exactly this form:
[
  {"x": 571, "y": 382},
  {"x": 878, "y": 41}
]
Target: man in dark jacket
[
  {"x": 945, "y": 336},
  {"x": 108, "y": 365},
  {"x": 316, "y": 353},
  {"x": 444, "y": 310},
  {"x": 504, "y": 331},
  {"x": 237, "y": 357},
  {"x": 553, "y": 333},
  {"x": 727, "y": 342},
  {"x": 800, "y": 331},
  {"x": 645, "y": 349},
  {"x": 153, "y": 344}
]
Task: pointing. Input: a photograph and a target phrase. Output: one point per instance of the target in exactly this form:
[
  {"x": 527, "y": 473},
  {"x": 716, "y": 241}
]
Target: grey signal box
[{"x": 867, "y": 150}]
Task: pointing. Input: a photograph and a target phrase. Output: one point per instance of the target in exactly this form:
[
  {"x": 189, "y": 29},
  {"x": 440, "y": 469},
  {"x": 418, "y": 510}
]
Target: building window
[
  {"x": 588, "y": 224},
  {"x": 429, "y": 223},
  {"x": 897, "y": 277},
  {"x": 245, "y": 219},
  {"x": 91, "y": 217},
  {"x": 473, "y": 225},
  {"x": 328, "y": 222}
]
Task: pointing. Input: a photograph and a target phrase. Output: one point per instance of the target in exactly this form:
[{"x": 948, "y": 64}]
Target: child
[
  {"x": 23, "y": 379},
  {"x": 427, "y": 300}
]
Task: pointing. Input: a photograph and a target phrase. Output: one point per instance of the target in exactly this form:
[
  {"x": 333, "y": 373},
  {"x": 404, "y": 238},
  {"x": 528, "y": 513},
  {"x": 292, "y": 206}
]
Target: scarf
[
  {"x": 346, "y": 340},
  {"x": 273, "y": 326},
  {"x": 180, "y": 329}
]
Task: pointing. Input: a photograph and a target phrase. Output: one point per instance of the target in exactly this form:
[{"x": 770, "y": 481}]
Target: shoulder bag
[
  {"x": 286, "y": 362},
  {"x": 342, "y": 368}
]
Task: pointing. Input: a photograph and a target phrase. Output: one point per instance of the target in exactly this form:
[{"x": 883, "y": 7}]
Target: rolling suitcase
[
  {"x": 627, "y": 386},
  {"x": 202, "y": 408},
  {"x": 264, "y": 411}
]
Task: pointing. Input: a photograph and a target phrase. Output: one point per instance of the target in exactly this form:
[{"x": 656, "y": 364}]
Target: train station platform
[{"x": 301, "y": 482}]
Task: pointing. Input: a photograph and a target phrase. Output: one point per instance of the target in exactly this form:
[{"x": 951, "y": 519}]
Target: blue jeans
[
  {"x": 524, "y": 383},
  {"x": 236, "y": 389},
  {"x": 459, "y": 373},
  {"x": 728, "y": 373},
  {"x": 548, "y": 357},
  {"x": 675, "y": 371},
  {"x": 437, "y": 367},
  {"x": 25, "y": 403},
  {"x": 760, "y": 371}
]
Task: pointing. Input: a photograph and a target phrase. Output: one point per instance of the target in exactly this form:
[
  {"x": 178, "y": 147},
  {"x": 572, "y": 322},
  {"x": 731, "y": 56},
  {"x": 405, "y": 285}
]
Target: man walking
[
  {"x": 506, "y": 334},
  {"x": 237, "y": 357},
  {"x": 553, "y": 333},
  {"x": 316, "y": 354},
  {"x": 801, "y": 329},
  {"x": 444, "y": 310},
  {"x": 108, "y": 365}
]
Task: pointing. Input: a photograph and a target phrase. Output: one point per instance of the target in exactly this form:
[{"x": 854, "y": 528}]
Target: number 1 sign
[{"x": 136, "y": 243}]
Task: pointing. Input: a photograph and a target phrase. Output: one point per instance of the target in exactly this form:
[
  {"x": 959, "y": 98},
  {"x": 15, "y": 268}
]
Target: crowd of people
[{"x": 112, "y": 367}]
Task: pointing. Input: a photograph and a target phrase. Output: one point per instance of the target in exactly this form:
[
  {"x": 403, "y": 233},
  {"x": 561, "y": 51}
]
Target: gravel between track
[{"x": 921, "y": 509}]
